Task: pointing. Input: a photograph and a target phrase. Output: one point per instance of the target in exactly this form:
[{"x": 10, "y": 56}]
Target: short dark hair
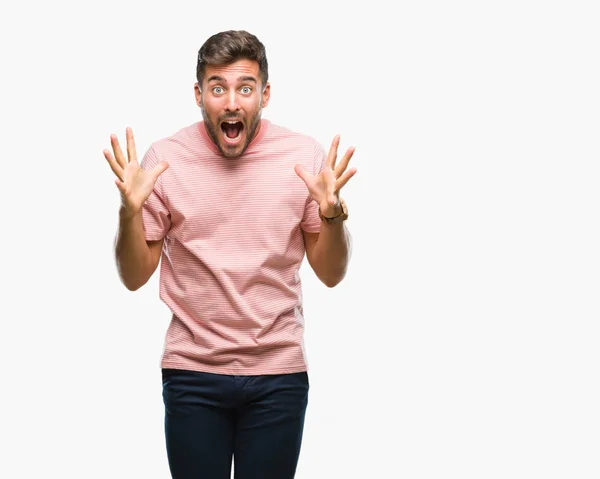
[{"x": 227, "y": 47}]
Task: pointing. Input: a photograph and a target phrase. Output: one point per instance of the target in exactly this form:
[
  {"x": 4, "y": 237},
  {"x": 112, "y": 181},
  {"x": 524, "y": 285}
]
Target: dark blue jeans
[{"x": 257, "y": 420}]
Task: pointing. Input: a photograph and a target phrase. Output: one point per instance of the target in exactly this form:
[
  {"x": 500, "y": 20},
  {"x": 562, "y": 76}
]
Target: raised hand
[
  {"x": 134, "y": 183},
  {"x": 325, "y": 186}
]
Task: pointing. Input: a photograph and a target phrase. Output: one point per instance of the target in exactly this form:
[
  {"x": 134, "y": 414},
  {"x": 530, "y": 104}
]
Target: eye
[
  {"x": 217, "y": 90},
  {"x": 246, "y": 90}
]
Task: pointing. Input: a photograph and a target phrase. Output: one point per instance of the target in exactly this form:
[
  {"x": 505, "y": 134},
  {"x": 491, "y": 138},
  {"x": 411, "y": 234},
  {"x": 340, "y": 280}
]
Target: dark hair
[{"x": 230, "y": 46}]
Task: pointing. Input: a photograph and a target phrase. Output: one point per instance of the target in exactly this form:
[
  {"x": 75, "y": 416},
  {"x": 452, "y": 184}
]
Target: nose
[{"x": 232, "y": 101}]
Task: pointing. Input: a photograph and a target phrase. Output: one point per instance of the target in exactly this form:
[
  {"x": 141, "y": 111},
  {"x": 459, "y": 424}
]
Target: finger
[
  {"x": 333, "y": 150},
  {"x": 114, "y": 141},
  {"x": 159, "y": 169},
  {"x": 131, "y": 152},
  {"x": 343, "y": 164},
  {"x": 114, "y": 166},
  {"x": 303, "y": 173},
  {"x": 341, "y": 182}
]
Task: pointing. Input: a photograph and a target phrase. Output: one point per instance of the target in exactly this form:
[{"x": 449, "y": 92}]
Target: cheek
[
  {"x": 252, "y": 105},
  {"x": 211, "y": 107}
]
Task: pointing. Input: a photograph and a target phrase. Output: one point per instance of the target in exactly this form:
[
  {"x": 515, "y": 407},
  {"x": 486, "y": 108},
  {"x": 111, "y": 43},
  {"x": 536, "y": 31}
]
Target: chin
[{"x": 229, "y": 153}]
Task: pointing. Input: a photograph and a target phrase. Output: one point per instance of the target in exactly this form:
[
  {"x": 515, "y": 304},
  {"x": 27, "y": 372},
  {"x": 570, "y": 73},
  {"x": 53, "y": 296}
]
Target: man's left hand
[{"x": 325, "y": 186}]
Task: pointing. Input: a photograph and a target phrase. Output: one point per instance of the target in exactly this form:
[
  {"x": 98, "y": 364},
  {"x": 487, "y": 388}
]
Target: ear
[
  {"x": 198, "y": 94},
  {"x": 266, "y": 95}
]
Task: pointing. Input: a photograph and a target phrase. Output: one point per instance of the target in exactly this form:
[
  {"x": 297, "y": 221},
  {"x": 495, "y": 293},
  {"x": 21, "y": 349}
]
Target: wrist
[
  {"x": 128, "y": 213},
  {"x": 335, "y": 213},
  {"x": 332, "y": 211}
]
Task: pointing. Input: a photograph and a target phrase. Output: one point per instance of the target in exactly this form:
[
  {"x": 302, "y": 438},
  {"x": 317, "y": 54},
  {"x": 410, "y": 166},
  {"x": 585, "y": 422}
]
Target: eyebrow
[{"x": 240, "y": 79}]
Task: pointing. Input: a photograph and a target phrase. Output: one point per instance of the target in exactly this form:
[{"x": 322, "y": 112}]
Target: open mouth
[{"x": 232, "y": 130}]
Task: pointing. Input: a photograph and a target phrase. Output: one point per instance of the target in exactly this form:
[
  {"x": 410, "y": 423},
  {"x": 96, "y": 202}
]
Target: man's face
[{"x": 232, "y": 98}]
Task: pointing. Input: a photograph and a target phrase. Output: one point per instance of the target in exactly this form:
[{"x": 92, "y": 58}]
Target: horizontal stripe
[{"x": 233, "y": 249}]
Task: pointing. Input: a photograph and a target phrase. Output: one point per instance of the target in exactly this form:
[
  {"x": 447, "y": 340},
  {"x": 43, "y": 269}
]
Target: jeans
[{"x": 257, "y": 420}]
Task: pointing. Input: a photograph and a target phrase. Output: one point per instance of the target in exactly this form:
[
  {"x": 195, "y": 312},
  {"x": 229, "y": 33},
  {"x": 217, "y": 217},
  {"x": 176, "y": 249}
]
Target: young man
[{"x": 232, "y": 204}]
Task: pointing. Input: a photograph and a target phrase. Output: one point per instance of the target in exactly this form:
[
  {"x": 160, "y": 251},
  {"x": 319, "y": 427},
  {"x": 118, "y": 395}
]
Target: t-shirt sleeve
[
  {"x": 311, "y": 223},
  {"x": 155, "y": 214}
]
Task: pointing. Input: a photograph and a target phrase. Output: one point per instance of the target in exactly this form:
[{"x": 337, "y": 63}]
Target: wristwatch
[{"x": 343, "y": 216}]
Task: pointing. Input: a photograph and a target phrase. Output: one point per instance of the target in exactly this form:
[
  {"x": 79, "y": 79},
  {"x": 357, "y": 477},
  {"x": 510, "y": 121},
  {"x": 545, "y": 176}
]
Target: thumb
[
  {"x": 302, "y": 173},
  {"x": 122, "y": 187},
  {"x": 159, "y": 169}
]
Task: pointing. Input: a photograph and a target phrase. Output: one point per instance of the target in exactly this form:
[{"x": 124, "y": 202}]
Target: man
[{"x": 232, "y": 204}]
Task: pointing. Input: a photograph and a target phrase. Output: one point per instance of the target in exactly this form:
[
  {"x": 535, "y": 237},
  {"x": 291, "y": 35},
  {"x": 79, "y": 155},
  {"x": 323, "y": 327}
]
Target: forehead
[{"x": 230, "y": 73}]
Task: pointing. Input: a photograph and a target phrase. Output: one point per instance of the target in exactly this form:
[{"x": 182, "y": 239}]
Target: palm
[
  {"x": 134, "y": 183},
  {"x": 325, "y": 186},
  {"x": 322, "y": 187},
  {"x": 138, "y": 184}
]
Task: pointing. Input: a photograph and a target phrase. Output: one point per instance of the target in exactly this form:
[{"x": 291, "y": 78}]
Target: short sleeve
[
  {"x": 311, "y": 223},
  {"x": 155, "y": 214}
]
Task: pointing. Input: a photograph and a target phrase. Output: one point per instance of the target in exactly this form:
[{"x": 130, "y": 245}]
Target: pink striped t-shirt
[{"x": 233, "y": 248}]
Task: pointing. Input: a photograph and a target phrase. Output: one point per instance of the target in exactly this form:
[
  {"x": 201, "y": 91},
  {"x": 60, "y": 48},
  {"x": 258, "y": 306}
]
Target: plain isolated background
[{"x": 464, "y": 341}]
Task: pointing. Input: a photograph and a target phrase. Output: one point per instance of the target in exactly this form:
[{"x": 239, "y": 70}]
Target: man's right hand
[{"x": 134, "y": 183}]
